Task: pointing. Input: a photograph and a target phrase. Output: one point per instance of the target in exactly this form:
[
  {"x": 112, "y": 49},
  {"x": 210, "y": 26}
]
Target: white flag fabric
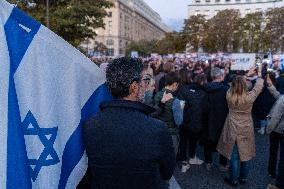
[{"x": 47, "y": 90}]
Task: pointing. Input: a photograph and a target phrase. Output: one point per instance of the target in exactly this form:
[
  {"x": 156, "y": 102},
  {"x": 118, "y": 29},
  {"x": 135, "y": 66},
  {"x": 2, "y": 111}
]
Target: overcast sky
[{"x": 170, "y": 10}]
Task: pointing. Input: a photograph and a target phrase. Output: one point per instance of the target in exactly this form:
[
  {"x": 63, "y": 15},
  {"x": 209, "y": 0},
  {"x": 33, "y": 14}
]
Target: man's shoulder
[
  {"x": 143, "y": 118},
  {"x": 281, "y": 99},
  {"x": 155, "y": 121},
  {"x": 155, "y": 124}
]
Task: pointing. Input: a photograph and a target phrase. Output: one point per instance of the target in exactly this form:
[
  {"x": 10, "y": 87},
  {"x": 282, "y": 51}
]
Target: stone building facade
[
  {"x": 129, "y": 20},
  {"x": 210, "y": 8}
]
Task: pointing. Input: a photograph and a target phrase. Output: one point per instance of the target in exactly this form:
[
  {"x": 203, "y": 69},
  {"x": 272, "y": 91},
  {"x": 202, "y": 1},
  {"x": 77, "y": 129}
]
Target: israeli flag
[{"x": 47, "y": 90}]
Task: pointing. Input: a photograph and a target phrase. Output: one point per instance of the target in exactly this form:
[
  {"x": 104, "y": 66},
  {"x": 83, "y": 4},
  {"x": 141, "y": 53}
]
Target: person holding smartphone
[{"x": 237, "y": 141}]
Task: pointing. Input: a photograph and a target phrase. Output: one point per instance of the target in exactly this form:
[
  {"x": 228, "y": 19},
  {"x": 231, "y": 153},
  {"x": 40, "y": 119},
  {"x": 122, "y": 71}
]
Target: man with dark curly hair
[{"x": 126, "y": 147}]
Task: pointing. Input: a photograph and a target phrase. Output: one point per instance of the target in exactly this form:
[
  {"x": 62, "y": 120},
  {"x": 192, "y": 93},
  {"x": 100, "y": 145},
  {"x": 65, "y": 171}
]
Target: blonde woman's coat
[{"x": 239, "y": 129}]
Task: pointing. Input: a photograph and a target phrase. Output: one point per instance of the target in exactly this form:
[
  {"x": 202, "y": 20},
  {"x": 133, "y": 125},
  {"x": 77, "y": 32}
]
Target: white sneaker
[
  {"x": 195, "y": 161},
  {"x": 261, "y": 131},
  {"x": 185, "y": 166}
]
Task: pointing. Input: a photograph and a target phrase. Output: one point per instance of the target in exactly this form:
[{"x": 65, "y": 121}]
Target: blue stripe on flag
[
  {"x": 282, "y": 62},
  {"x": 20, "y": 30},
  {"x": 18, "y": 37},
  {"x": 75, "y": 147}
]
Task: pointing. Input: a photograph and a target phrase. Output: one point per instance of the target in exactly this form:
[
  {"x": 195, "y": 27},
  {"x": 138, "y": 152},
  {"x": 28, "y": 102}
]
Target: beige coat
[{"x": 238, "y": 128}]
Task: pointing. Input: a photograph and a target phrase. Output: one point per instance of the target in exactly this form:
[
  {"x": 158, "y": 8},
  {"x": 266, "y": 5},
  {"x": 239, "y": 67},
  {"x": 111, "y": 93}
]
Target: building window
[
  {"x": 258, "y": 10},
  {"x": 197, "y": 12},
  {"x": 247, "y": 11},
  {"x": 197, "y": 1},
  {"x": 248, "y": 1},
  {"x": 109, "y": 42},
  {"x": 217, "y": 1},
  {"x": 207, "y": 1},
  {"x": 110, "y": 14},
  {"x": 207, "y": 13},
  {"x": 121, "y": 51},
  {"x": 227, "y": 1},
  {"x": 110, "y": 52},
  {"x": 110, "y": 23},
  {"x": 238, "y": 1}
]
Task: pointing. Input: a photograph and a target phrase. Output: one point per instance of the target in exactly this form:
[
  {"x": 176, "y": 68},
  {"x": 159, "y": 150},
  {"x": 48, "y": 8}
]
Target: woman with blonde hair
[{"x": 237, "y": 141}]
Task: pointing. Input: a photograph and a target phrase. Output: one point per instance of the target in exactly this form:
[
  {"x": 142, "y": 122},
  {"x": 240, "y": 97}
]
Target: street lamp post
[
  {"x": 262, "y": 28},
  {"x": 200, "y": 38},
  {"x": 47, "y": 14},
  {"x": 251, "y": 36}
]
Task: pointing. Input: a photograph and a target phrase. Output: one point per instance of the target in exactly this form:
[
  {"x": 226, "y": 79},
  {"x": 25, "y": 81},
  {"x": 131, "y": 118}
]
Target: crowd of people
[{"x": 164, "y": 109}]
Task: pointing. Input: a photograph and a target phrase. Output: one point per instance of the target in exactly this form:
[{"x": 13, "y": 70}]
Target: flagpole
[{"x": 47, "y": 13}]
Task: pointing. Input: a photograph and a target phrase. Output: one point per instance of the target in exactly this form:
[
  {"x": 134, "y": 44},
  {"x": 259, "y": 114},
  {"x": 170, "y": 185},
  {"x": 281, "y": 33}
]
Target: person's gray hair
[
  {"x": 216, "y": 73},
  {"x": 121, "y": 73}
]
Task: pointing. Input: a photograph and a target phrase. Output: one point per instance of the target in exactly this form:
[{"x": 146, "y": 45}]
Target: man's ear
[{"x": 133, "y": 89}]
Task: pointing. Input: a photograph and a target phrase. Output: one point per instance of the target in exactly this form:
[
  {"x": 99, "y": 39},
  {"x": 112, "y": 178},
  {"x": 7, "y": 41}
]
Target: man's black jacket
[{"x": 127, "y": 148}]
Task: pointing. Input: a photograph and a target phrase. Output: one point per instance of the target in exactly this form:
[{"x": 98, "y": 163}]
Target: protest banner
[
  {"x": 188, "y": 56},
  {"x": 154, "y": 55},
  {"x": 134, "y": 54},
  {"x": 242, "y": 61}
]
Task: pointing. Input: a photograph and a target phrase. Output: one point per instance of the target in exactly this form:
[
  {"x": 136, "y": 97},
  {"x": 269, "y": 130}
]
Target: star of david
[{"x": 47, "y": 137}]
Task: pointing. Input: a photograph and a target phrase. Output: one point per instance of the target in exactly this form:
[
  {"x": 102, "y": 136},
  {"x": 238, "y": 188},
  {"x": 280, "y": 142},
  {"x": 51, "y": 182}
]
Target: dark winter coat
[
  {"x": 162, "y": 82},
  {"x": 196, "y": 107},
  {"x": 263, "y": 104},
  {"x": 157, "y": 81},
  {"x": 280, "y": 84},
  {"x": 218, "y": 110},
  {"x": 127, "y": 149}
]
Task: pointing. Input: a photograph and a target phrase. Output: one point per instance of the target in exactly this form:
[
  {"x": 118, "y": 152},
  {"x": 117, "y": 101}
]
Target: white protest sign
[
  {"x": 188, "y": 55},
  {"x": 134, "y": 54},
  {"x": 155, "y": 55},
  {"x": 242, "y": 61},
  {"x": 194, "y": 55}
]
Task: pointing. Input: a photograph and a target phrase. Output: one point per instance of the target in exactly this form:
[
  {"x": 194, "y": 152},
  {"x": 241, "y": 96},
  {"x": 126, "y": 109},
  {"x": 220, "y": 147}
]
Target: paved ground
[{"x": 199, "y": 178}]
